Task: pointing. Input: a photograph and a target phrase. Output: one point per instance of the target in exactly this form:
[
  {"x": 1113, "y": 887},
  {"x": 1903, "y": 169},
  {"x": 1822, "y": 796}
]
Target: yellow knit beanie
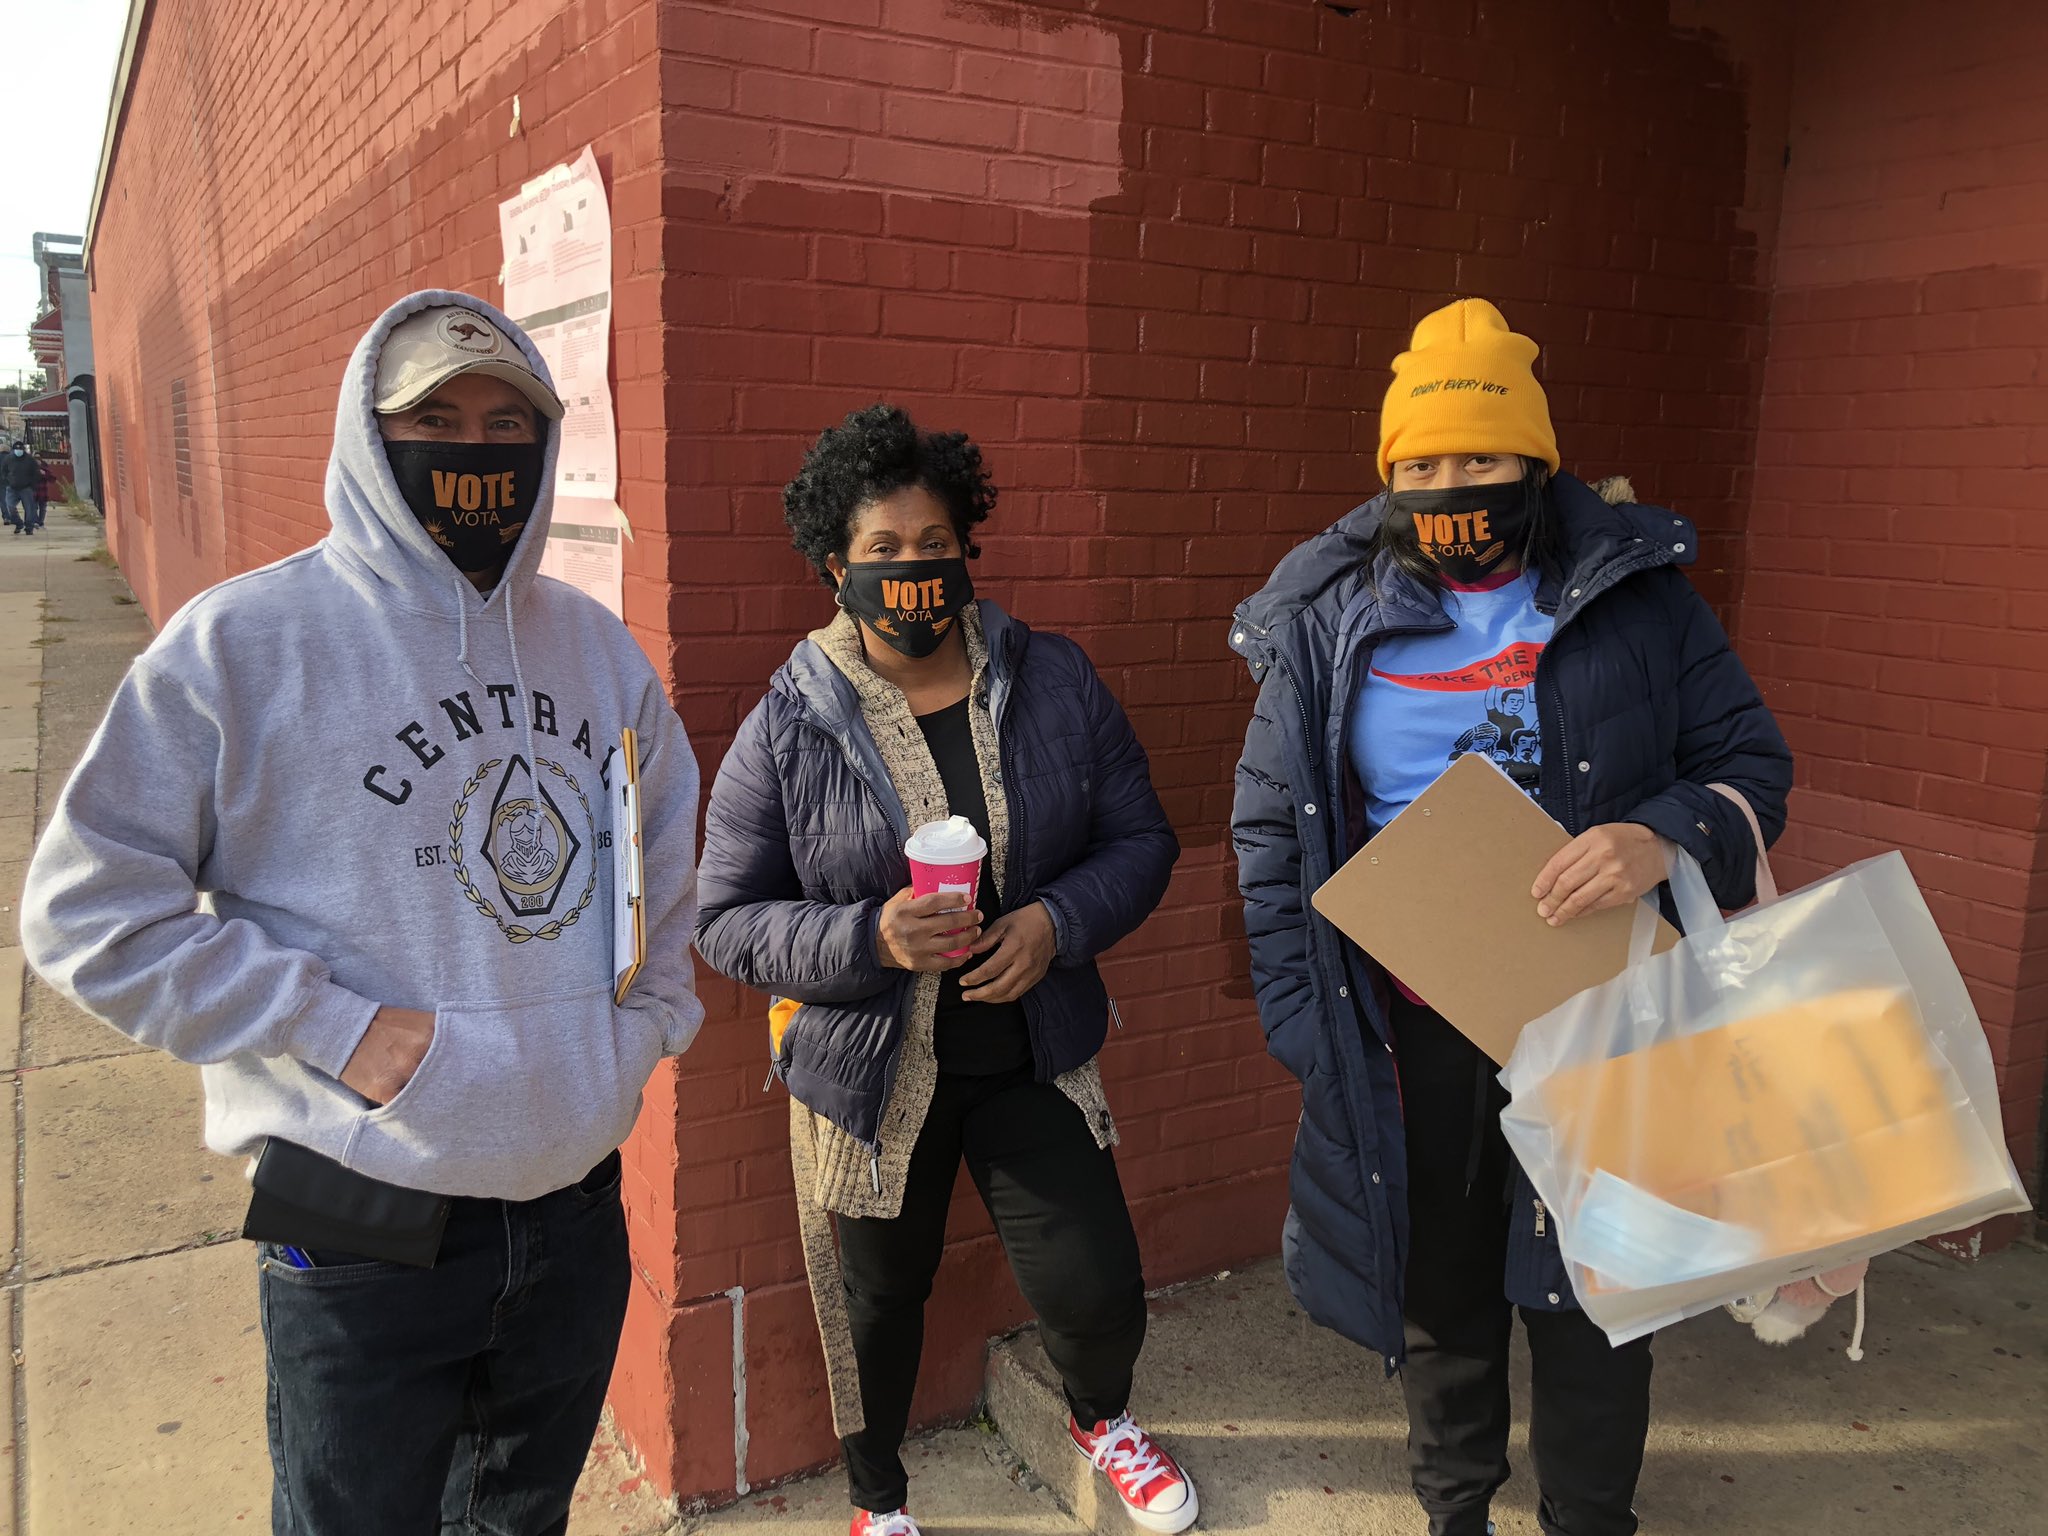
[{"x": 1465, "y": 385}]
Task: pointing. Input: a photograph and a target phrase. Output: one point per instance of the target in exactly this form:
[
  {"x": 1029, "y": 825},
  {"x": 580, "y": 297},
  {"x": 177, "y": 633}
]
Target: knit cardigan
[{"x": 834, "y": 1172}]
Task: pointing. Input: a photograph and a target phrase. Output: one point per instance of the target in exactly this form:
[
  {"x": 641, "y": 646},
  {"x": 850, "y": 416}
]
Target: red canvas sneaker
[{"x": 1156, "y": 1493}]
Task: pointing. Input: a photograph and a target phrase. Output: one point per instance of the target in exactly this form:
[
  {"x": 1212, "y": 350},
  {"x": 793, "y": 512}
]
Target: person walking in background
[
  {"x": 19, "y": 473},
  {"x": 338, "y": 841},
  {"x": 46, "y": 485},
  {"x": 1483, "y": 602},
  {"x": 912, "y": 1031}
]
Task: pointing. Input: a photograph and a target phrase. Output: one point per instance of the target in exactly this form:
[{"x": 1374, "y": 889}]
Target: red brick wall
[
  {"x": 284, "y": 172},
  {"x": 1897, "y": 607},
  {"x": 1155, "y": 255}
]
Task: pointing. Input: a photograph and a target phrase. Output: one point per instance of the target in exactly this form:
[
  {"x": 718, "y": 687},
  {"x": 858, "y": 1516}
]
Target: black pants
[
  {"x": 461, "y": 1398},
  {"x": 1059, "y": 1210},
  {"x": 1590, "y": 1412}
]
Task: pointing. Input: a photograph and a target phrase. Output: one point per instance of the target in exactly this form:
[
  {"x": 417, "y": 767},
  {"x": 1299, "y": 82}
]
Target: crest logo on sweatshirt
[{"x": 528, "y": 844}]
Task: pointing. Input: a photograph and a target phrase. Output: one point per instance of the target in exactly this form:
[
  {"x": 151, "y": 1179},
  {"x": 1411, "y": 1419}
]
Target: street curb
[{"x": 1030, "y": 1413}]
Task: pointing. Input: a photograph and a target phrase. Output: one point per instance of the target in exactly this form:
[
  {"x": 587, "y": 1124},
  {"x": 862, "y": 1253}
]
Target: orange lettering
[
  {"x": 444, "y": 489},
  {"x": 890, "y": 592},
  {"x": 1482, "y": 530},
  {"x": 469, "y": 492}
]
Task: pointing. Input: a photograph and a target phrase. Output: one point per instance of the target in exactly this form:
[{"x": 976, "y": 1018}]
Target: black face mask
[
  {"x": 910, "y": 604},
  {"x": 1470, "y": 533},
  {"x": 473, "y": 499}
]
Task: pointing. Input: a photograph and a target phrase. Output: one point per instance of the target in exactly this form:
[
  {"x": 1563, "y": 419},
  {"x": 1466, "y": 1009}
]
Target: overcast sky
[{"x": 65, "y": 51}]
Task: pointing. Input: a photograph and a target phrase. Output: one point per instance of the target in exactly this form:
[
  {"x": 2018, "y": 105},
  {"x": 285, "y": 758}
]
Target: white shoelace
[
  {"x": 1862, "y": 1285},
  {"x": 898, "y": 1524},
  {"x": 1127, "y": 1455}
]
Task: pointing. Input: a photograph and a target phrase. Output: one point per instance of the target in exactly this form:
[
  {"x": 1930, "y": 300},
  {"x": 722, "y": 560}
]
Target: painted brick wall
[
  {"x": 1155, "y": 255},
  {"x": 250, "y": 232},
  {"x": 1897, "y": 597}
]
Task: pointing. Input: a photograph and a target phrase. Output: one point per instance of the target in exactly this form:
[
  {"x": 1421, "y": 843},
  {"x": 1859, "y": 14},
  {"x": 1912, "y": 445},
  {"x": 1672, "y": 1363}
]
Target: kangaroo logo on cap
[{"x": 470, "y": 332}]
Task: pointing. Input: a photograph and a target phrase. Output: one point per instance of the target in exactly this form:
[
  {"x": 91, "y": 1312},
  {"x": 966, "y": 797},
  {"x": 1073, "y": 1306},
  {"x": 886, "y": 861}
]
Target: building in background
[
  {"x": 59, "y": 422},
  {"x": 1789, "y": 264}
]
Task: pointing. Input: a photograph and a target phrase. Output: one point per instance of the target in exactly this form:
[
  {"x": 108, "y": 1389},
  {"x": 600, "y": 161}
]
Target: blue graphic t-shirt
[{"x": 1430, "y": 699}]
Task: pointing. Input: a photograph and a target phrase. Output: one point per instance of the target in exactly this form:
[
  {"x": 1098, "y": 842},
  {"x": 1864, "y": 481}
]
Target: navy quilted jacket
[
  {"x": 803, "y": 843},
  {"x": 1643, "y": 706}
]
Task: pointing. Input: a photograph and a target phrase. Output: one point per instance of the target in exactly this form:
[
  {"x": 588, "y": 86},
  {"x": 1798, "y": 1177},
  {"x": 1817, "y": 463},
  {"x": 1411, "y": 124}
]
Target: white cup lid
[{"x": 952, "y": 841}]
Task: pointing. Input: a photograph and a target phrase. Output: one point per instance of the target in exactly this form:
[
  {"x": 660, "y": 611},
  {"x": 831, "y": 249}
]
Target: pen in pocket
[{"x": 296, "y": 1257}]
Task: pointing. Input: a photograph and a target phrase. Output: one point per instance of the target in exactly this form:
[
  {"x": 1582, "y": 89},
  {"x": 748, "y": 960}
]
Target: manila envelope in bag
[{"x": 1441, "y": 899}]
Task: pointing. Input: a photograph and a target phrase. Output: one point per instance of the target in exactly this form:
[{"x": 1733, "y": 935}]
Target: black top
[{"x": 976, "y": 1038}]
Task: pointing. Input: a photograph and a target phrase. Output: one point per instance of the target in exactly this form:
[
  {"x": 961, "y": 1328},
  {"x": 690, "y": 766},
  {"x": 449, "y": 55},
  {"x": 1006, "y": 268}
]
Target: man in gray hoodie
[{"x": 343, "y": 840}]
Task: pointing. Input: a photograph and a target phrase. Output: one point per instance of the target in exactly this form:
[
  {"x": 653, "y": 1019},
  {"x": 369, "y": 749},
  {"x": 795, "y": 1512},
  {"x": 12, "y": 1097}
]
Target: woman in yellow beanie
[{"x": 1483, "y": 603}]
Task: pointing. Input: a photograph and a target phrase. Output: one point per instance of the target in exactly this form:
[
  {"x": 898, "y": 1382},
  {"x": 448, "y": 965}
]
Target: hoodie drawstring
[
  {"x": 518, "y": 673},
  {"x": 462, "y": 648},
  {"x": 525, "y": 701}
]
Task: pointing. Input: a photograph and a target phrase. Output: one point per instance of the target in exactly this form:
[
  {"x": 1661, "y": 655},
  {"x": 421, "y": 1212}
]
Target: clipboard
[
  {"x": 1441, "y": 899},
  {"x": 629, "y": 872}
]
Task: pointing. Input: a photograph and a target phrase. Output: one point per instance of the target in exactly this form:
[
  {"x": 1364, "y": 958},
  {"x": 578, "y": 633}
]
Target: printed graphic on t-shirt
[
  {"x": 1429, "y": 699},
  {"x": 1499, "y": 693}
]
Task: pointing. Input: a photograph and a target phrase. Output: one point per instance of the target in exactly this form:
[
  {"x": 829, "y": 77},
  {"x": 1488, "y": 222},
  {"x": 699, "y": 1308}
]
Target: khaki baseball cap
[{"x": 425, "y": 350}]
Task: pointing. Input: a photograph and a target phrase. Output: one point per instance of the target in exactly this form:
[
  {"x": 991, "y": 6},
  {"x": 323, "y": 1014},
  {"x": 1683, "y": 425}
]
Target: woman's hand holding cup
[
  {"x": 932, "y": 924},
  {"x": 927, "y": 933}
]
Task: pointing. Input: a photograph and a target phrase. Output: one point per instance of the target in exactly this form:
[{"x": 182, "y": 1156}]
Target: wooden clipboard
[
  {"x": 629, "y": 872},
  {"x": 1441, "y": 899}
]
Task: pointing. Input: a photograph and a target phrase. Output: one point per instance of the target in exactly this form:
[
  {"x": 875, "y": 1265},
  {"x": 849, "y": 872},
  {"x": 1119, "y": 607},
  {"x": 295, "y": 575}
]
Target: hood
[
  {"x": 373, "y": 535},
  {"x": 1334, "y": 558},
  {"x": 1606, "y": 534}
]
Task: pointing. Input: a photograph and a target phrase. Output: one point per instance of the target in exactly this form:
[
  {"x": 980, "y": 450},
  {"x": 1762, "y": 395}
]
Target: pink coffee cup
[{"x": 946, "y": 856}]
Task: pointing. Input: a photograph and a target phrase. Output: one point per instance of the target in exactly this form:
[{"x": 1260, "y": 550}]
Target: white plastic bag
[{"x": 1784, "y": 1092}]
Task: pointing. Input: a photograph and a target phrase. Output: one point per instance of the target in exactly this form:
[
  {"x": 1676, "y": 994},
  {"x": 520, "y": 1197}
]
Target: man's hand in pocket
[{"x": 390, "y": 1051}]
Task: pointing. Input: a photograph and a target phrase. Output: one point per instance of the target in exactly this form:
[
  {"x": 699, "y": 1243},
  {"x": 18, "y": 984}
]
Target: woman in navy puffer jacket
[
  {"x": 914, "y": 1033},
  {"x": 1485, "y": 603}
]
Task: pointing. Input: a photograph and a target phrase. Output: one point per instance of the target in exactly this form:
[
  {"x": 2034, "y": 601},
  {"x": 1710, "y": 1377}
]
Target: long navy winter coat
[
  {"x": 1643, "y": 705},
  {"x": 803, "y": 843}
]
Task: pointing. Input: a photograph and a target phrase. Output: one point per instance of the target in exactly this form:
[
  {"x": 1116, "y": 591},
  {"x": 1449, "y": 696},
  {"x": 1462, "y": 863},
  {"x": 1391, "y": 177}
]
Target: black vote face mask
[
  {"x": 1470, "y": 533},
  {"x": 911, "y": 604},
  {"x": 474, "y": 499}
]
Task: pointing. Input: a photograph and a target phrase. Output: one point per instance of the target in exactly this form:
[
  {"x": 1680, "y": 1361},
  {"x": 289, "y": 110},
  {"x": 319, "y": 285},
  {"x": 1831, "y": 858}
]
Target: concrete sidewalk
[
  {"x": 1287, "y": 1427},
  {"x": 136, "y": 1397}
]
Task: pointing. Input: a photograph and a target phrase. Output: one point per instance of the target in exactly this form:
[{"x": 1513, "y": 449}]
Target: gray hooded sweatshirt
[{"x": 348, "y": 780}]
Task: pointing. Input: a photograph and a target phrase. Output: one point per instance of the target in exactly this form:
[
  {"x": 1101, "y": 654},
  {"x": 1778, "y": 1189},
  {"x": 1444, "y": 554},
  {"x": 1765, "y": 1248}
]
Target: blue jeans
[
  {"x": 17, "y": 506},
  {"x": 461, "y": 1398}
]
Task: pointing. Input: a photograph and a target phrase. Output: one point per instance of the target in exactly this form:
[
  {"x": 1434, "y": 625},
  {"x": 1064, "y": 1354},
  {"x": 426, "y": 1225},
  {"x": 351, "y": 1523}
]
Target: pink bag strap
[{"x": 1766, "y": 882}]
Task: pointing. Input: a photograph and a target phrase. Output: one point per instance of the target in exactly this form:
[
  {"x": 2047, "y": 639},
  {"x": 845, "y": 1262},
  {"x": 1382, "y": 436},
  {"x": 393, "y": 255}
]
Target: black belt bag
[{"x": 308, "y": 1201}]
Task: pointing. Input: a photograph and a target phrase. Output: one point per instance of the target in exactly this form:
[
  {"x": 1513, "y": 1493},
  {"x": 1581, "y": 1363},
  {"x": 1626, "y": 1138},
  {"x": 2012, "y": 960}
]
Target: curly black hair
[{"x": 873, "y": 454}]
